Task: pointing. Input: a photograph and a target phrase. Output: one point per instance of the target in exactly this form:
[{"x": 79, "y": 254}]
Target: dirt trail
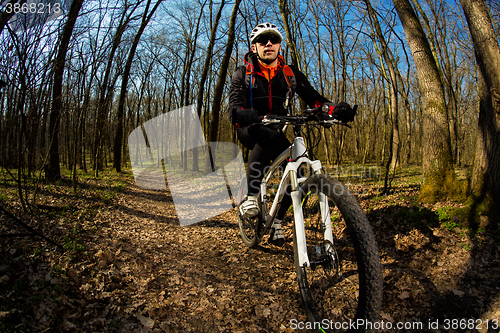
[
  {"x": 196, "y": 278},
  {"x": 143, "y": 272}
]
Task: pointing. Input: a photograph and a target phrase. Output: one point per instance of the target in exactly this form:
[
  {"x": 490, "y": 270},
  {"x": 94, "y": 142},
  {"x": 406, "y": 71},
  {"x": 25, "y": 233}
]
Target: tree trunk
[
  {"x": 388, "y": 59},
  {"x": 117, "y": 152},
  {"x": 204, "y": 75},
  {"x": 221, "y": 81},
  {"x": 289, "y": 40},
  {"x": 439, "y": 46},
  {"x": 53, "y": 170},
  {"x": 440, "y": 181},
  {"x": 485, "y": 179},
  {"x": 107, "y": 88},
  {"x": 219, "y": 88}
]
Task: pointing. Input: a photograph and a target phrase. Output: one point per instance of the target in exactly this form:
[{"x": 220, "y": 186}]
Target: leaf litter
[{"x": 130, "y": 267}]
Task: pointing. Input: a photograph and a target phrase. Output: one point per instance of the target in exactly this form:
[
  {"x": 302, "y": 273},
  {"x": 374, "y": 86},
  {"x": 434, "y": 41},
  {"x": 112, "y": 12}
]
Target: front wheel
[{"x": 343, "y": 283}]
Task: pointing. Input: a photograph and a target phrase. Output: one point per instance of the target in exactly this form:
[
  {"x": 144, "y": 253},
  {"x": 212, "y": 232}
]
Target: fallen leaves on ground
[{"x": 129, "y": 267}]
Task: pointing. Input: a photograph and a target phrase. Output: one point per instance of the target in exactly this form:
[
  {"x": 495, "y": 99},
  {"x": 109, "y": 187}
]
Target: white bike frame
[{"x": 296, "y": 155}]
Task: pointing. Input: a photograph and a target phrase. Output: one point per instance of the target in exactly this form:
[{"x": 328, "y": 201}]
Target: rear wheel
[{"x": 344, "y": 280}]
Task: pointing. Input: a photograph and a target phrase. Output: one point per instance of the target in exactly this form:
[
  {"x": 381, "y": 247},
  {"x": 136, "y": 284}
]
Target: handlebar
[{"x": 311, "y": 116}]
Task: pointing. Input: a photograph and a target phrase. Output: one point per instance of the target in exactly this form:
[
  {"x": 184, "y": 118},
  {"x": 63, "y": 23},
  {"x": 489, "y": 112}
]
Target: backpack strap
[
  {"x": 250, "y": 82},
  {"x": 290, "y": 78},
  {"x": 292, "y": 85}
]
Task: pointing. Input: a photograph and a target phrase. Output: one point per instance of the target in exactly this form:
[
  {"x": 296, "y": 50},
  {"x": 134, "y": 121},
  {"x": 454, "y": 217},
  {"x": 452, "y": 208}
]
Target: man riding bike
[{"x": 265, "y": 85}]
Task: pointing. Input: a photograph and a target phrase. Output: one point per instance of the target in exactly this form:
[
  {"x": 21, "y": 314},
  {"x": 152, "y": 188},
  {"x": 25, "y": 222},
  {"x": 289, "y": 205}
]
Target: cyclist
[{"x": 262, "y": 87}]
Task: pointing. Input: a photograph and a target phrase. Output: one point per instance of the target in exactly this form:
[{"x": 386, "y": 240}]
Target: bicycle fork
[
  {"x": 297, "y": 197},
  {"x": 297, "y": 156}
]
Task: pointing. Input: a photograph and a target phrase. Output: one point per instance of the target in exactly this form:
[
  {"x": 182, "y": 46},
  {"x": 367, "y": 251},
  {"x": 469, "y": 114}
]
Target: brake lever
[
  {"x": 335, "y": 122},
  {"x": 269, "y": 120},
  {"x": 312, "y": 111}
]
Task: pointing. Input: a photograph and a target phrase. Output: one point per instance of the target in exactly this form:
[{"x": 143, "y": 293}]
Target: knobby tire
[{"x": 347, "y": 285}]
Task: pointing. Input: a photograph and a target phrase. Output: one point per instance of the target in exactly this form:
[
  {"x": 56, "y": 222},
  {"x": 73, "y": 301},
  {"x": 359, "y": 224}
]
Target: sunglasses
[{"x": 265, "y": 38}]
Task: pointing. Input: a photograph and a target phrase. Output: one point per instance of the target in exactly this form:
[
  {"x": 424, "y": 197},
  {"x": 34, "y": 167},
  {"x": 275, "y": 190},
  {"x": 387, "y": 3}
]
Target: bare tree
[
  {"x": 485, "y": 182},
  {"x": 386, "y": 53},
  {"x": 146, "y": 17},
  {"x": 439, "y": 172},
  {"x": 53, "y": 170},
  {"x": 221, "y": 81},
  {"x": 107, "y": 85},
  {"x": 205, "y": 72},
  {"x": 437, "y": 40},
  {"x": 290, "y": 41}
]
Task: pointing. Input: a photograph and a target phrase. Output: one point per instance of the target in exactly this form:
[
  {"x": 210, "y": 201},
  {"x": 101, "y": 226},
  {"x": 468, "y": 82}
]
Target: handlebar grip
[
  {"x": 313, "y": 110},
  {"x": 233, "y": 115}
]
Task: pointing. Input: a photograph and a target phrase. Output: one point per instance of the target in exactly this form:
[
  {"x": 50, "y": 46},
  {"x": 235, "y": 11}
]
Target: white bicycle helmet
[{"x": 264, "y": 28}]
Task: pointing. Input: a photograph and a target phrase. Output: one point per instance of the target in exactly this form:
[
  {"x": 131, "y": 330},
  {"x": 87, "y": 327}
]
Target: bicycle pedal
[{"x": 277, "y": 242}]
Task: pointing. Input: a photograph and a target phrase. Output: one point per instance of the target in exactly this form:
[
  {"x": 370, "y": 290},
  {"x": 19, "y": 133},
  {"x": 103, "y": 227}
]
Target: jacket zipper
[{"x": 270, "y": 93}]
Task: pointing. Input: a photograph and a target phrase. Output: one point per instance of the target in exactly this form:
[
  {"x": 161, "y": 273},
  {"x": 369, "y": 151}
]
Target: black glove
[
  {"x": 343, "y": 112},
  {"x": 245, "y": 117}
]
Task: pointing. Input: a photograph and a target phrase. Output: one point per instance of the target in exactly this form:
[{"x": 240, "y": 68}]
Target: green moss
[
  {"x": 481, "y": 206},
  {"x": 440, "y": 185},
  {"x": 478, "y": 212}
]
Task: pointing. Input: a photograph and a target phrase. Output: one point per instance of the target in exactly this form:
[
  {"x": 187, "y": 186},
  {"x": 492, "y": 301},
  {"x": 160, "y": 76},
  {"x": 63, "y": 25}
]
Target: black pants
[{"x": 266, "y": 143}]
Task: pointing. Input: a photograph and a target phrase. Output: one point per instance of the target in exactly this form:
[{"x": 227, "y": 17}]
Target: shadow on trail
[
  {"x": 400, "y": 189},
  {"x": 435, "y": 274},
  {"x": 216, "y": 222},
  {"x": 480, "y": 283},
  {"x": 155, "y": 195}
]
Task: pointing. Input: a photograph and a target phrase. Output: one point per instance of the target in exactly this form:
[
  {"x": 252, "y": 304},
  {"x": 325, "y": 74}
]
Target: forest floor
[{"x": 127, "y": 265}]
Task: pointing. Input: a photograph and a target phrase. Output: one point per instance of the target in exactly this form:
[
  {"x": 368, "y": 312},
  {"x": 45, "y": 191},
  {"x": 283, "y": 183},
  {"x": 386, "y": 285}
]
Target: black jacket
[{"x": 269, "y": 97}]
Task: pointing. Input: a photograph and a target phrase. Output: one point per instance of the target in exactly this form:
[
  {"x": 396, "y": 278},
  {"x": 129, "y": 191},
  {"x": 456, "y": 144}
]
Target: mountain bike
[{"x": 335, "y": 252}]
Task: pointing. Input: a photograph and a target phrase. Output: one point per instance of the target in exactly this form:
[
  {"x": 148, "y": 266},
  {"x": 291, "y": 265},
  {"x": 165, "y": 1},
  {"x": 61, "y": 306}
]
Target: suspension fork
[
  {"x": 298, "y": 217},
  {"x": 326, "y": 222}
]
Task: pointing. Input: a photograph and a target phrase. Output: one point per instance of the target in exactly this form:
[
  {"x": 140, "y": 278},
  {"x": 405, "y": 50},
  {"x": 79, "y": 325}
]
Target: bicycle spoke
[
  {"x": 334, "y": 287},
  {"x": 333, "y": 282}
]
